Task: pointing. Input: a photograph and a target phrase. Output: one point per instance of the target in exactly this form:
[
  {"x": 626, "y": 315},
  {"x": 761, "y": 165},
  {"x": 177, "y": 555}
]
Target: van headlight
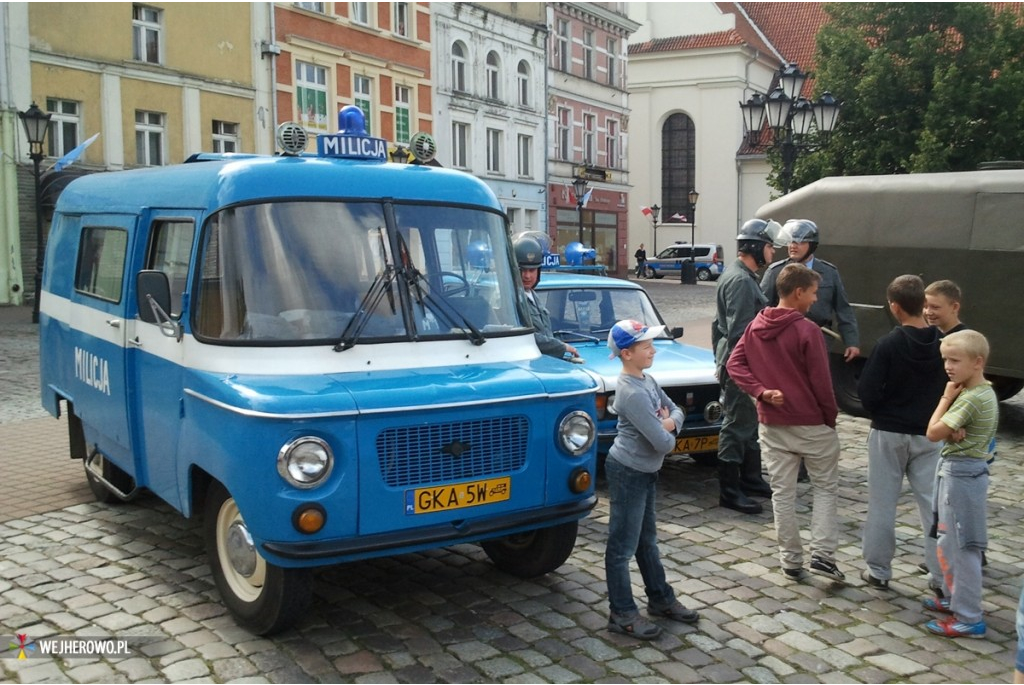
[
  {"x": 576, "y": 433},
  {"x": 305, "y": 462}
]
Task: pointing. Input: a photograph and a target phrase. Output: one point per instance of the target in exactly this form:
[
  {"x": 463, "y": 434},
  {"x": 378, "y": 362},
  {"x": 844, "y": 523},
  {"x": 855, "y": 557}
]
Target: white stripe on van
[{"x": 284, "y": 361}]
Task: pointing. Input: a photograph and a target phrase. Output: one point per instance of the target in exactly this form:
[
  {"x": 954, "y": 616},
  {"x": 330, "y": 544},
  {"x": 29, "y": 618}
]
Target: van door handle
[
  {"x": 114, "y": 323},
  {"x": 136, "y": 342}
]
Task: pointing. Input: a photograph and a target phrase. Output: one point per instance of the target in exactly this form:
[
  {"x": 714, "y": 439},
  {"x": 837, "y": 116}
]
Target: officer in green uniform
[
  {"x": 739, "y": 299},
  {"x": 530, "y": 256}
]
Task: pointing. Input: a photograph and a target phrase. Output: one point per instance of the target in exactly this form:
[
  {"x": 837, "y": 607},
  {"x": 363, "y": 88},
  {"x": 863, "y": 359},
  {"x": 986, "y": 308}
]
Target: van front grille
[{"x": 424, "y": 455}]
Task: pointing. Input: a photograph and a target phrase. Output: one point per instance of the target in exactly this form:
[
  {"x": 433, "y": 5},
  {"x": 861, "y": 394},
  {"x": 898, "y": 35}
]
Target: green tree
[{"x": 924, "y": 87}]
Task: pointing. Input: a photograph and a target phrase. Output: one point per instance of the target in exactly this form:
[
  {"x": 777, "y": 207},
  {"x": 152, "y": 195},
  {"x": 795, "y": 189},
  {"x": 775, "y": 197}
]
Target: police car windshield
[{"x": 301, "y": 272}]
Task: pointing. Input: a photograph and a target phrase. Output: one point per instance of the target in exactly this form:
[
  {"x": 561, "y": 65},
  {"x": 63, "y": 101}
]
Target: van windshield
[{"x": 317, "y": 272}]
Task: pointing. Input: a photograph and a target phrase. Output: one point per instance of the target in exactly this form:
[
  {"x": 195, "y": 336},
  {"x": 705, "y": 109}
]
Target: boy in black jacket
[{"x": 900, "y": 384}]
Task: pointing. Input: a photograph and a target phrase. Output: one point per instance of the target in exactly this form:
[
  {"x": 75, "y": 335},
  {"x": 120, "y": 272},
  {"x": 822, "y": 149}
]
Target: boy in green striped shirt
[{"x": 966, "y": 418}]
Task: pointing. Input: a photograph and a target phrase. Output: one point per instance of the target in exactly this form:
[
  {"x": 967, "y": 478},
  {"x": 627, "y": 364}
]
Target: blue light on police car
[{"x": 351, "y": 141}]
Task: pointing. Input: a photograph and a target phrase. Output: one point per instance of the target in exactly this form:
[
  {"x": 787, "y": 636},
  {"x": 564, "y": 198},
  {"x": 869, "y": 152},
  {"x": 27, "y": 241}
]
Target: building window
[
  {"x": 589, "y": 137},
  {"x": 613, "y": 64},
  {"x": 562, "y": 46},
  {"x": 361, "y": 13},
  {"x": 311, "y": 95},
  {"x": 146, "y": 30},
  {"x": 523, "y": 77},
  {"x": 525, "y": 167},
  {"x": 225, "y": 136},
  {"x": 460, "y": 145},
  {"x": 402, "y": 25},
  {"x": 611, "y": 145},
  {"x": 494, "y": 150},
  {"x": 65, "y": 126},
  {"x": 678, "y": 164},
  {"x": 564, "y": 137},
  {"x": 312, "y": 6},
  {"x": 149, "y": 138},
  {"x": 493, "y": 76},
  {"x": 588, "y": 55},
  {"x": 362, "y": 97},
  {"x": 403, "y": 114},
  {"x": 458, "y": 68}
]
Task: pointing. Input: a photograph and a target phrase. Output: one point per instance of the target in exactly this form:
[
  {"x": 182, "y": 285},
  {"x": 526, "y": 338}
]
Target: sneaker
[
  {"x": 823, "y": 567},
  {"x": 794, "y": 573},
  {"x": 675, "y": 611},
  {"x": 876, "y": 583},
  {"x": 940, "y": 604},
  {"x": 950, "y": 627},
  {"x": 923, "y": 567},
  {"x": 635, "y": 626}
]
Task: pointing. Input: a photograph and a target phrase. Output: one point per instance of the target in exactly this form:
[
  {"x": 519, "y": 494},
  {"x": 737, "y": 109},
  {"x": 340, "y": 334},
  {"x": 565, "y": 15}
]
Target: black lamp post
[
  {"x": 688, "y": 270},
  {"x": 792, "y": 118},
  {"x": 36, "y": 122},
  {"x": 579, "y": 186},
  {"x": 655, "y": 213}
]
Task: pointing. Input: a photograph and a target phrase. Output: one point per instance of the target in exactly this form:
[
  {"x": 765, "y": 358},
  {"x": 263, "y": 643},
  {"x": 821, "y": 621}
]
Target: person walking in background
[
  {"x": 781, "y": 361},
  {"x": 898, "y": 387},
  {"x": 641, "y": 261},
  {"x": 738, "y": 300},
  {"x": 966, "y": 418},
  {"x": 648, "y": 424}
]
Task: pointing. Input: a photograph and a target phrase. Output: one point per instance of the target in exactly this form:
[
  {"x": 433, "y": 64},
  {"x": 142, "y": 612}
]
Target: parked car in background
[
  {"x": 583, "y": 308},
  {"x": 710, "y": 261}
]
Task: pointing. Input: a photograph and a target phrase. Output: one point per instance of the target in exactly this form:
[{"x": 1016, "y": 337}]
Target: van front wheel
[
  {"x": 263, "y": 597},
  {"x": 533, "y": 553},
  {"x": 1006, "y": 387},
  {"x": 845, "y": 376}
]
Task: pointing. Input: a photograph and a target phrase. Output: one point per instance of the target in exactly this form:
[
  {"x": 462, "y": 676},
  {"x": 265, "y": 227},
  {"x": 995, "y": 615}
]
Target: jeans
[
  {"x": 782, "y": 448},
  {"x": 632, "y": 531},
  {"x": 1019, "y": 665},
  {"x": 739, "y": 422}
]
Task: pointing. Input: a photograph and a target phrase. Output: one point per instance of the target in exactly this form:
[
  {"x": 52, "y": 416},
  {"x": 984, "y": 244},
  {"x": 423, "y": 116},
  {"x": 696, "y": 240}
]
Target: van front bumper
[{"x": 419, "y": 538}]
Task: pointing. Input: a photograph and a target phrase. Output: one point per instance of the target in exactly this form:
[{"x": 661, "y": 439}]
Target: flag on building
[
  {"x": 586, "y": 197},
  {"x": 646, "y": 211},
  {"x": 69, "y": 159}
]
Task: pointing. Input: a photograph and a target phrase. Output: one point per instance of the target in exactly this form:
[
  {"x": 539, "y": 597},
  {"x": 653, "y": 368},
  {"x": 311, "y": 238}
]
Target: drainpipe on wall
[{"x": 12, "y": 288}]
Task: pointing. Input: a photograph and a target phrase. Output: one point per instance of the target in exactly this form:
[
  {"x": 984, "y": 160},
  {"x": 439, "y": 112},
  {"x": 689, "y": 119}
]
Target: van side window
[
  {"x": 170, "y": 252},
  {"x": 100, "y": 270}
]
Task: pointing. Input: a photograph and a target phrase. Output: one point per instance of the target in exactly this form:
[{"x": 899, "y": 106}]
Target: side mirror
[
  {"x": 153, "y": 291},
  {"x": 676, "y": 332}
]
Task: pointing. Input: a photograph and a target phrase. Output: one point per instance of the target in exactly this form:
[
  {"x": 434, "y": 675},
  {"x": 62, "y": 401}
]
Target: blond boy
[
  {"x": 942, "y": 306},
  {"x": 966, "y": 417}
]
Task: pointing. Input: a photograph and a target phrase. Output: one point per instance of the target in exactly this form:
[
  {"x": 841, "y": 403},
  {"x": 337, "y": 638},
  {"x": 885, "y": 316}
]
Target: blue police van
[{"x": 327, "y": 357}]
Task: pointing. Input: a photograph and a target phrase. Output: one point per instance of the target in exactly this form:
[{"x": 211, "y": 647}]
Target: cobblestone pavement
[{"x": 138, "y": 572}]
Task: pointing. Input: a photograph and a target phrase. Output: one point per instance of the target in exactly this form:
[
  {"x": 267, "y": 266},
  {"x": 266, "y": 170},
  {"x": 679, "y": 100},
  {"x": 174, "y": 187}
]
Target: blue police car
[{"x": 583, "y": 308}]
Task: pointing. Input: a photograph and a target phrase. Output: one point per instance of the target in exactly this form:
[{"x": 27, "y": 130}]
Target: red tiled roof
[
  {"x": 790, "y": 26},
  {"x": 702, "y": 40}
]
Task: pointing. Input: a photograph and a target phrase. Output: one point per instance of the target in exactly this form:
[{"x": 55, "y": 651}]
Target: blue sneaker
[
  {"x": 950, "y": 627},
  {"x": 940, "y": 604}
]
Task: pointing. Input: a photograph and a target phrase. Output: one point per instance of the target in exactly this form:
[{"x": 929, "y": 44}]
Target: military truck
[{"x": 964, "y": 226}]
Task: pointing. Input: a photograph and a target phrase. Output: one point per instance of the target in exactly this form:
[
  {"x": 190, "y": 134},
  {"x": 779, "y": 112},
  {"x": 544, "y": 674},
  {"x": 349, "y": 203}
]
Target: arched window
[
  {"x": 493, "y": 76},
  {"x": 524, "y": 83},
  {"x": 678, "y": 165},
  {"x": 458, "y": 67}
]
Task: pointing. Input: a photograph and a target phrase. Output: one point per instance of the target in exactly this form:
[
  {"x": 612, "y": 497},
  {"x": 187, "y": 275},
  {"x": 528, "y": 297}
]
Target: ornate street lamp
[
  {"x": 797, "y": 124},
  {"x": 36, "y": 123},
  {"x": 688, "y": 270},
  {"x": 579, "y": 186},
  {"x": 655, "y": 213}
]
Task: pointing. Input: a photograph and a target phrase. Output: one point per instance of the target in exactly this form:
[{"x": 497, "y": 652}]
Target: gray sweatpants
[
  {"x": 891, "y": 456},
  {"x": 961, "y": 492}
]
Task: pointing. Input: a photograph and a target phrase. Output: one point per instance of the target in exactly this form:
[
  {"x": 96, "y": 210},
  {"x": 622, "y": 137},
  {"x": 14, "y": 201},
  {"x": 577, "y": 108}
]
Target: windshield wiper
[
  {"x": 382, "y": 284},
  {"x": 442, "y": 306}
]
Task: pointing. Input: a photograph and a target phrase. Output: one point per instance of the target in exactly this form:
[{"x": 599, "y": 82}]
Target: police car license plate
[
  {"x": 700, "y": 443},
  {"x": 458, "y": 496}
]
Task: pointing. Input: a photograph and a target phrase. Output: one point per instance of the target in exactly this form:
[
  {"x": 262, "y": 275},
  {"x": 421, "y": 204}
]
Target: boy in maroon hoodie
[{"x": 781, "y": 361}]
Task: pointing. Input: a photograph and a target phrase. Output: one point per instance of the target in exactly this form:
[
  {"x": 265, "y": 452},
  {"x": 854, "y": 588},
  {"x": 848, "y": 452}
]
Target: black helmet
[
  {"x": 529, "y": 253},
  {"x": 754, "y": 235},
  {"x": 800, "y": 231}
]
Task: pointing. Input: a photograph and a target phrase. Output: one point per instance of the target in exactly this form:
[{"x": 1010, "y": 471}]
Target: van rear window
[{"x": 100, "y": 271}]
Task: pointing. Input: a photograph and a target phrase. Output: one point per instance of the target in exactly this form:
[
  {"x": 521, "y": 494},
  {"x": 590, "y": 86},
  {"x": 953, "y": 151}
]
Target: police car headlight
[
  {"x": 576, "y": 433},
  {"x": 305, "y": 462}
]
